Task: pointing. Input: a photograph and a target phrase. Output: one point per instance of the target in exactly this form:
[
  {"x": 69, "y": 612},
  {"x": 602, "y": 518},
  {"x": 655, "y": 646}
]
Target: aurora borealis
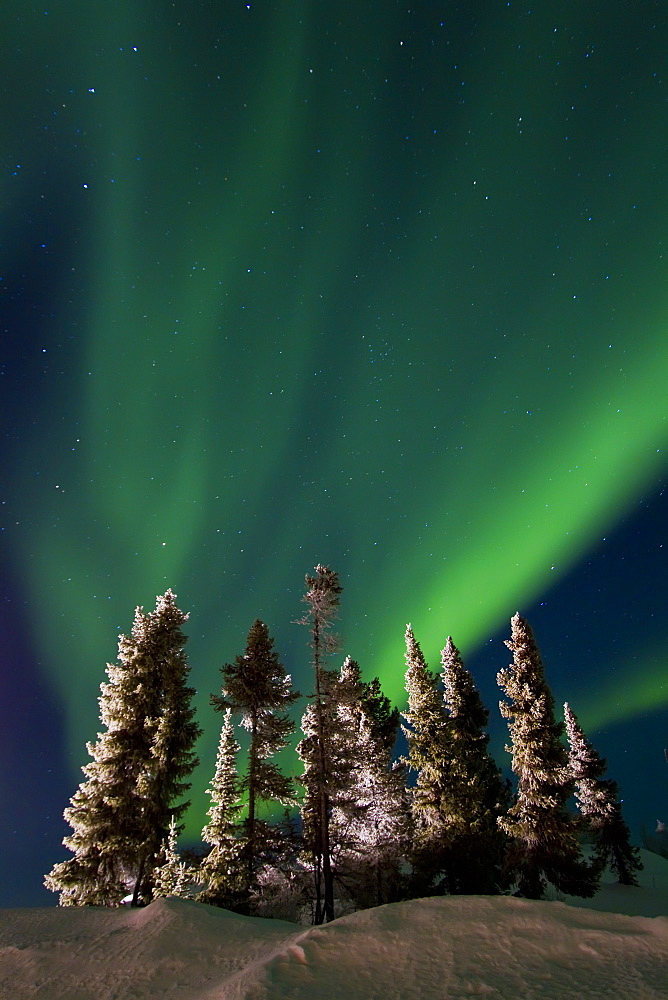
[{"x": 375, "y": 285}]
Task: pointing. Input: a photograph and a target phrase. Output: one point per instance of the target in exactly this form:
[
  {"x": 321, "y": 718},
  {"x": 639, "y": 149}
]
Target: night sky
[{"x": 371, "y": 284}]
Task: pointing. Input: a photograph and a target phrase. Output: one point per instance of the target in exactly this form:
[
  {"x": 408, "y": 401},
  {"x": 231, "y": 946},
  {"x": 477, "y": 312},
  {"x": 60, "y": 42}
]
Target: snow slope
[{"x": 450, "y": 948}]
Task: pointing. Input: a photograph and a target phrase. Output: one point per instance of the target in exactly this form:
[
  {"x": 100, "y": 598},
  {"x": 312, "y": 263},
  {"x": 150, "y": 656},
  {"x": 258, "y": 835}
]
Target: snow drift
[{"x": 453, "y": 947}]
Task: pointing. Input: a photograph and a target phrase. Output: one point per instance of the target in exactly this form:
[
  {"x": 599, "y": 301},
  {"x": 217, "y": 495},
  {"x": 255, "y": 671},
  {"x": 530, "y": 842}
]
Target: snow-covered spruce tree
[
  {"x": 323, "y": 751},
  {"x": 598, "y": 801},
  {"x": 339, "y": 730},
  {"x": 383, "y": 717},
  {"x": 387, "y": 821},
  {"x": 322, "y": 597},
  {"x": 474, "y": 791},
  {"x": 427, "y": 732},
  {"x": 172, "y": 877},
  {"x": 222, "y": 873},
  {"x": 121, "y": 814},
  {"x": 544, "y": 845},
  {"x": 369, "y": 822},
  {"x": 257, "y": 687}
]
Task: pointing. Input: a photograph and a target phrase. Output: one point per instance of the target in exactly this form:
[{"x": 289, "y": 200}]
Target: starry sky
[{"x": 374, "y": 284}]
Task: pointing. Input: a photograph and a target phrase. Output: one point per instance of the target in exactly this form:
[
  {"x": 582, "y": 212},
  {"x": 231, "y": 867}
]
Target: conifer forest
[{"x": 387, "y": 806}]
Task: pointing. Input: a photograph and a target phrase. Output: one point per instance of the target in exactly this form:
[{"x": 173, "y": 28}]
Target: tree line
[{"x": 364, "y": 828}]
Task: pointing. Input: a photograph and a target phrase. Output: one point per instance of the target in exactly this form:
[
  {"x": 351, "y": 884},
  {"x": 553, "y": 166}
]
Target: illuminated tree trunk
[{"x": 322, "y": 597}]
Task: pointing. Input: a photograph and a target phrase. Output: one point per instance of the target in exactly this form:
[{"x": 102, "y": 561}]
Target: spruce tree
[
  {"x": 341, "y": 723},
  {"x": 369, "y": 823},
  {"x": 172, "y": 877},
  {"x": 427, "y": 734},
  {"x": 122, "y": 813},
  {"x": 474, "y": 787},
  {"x": 598, "y": 801},
  {"x": 384, "y": 719},
  {"x": 257, "y": 687},
  {"x": 322, "y": 597},
  {"x": 222, "y": 873},
  {"x": 544, "y": 846},
  {"x": 325, "y": 772}
]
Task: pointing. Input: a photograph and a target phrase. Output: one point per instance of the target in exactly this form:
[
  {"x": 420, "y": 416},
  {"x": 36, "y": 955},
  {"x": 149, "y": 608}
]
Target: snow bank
[
  {"x": 170, "y": 949},
  {"x": 649, "y": 899},
  {"x": 451, "y": 948}
]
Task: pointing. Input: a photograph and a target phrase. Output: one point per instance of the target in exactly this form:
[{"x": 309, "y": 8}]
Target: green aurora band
[{"x": 423, "y": 342}]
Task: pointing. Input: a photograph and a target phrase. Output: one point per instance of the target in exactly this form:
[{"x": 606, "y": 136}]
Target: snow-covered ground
[{"x": 614, "y": 947}]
